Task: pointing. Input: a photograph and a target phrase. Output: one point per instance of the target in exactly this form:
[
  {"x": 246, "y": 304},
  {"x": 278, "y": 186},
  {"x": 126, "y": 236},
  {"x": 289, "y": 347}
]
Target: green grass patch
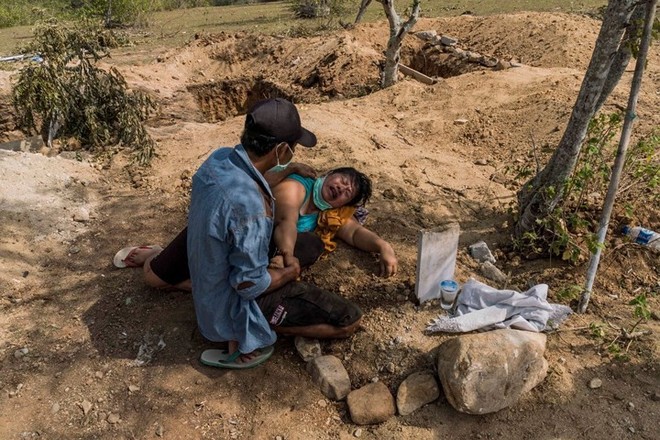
[{"x": 172, "y": 28}]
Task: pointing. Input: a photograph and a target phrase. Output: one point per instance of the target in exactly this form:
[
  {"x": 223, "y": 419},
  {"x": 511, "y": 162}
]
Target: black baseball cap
[{"x": 279, "y": 118}]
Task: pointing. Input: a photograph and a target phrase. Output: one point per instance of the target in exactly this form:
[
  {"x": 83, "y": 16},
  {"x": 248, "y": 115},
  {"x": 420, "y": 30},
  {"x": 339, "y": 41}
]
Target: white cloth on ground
[{"x": 480, "y": 306}]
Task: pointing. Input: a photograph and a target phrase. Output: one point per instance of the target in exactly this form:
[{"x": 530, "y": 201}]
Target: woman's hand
[
  {"x": 301, "y": 169},
  {"x": 388, "y": 261}
]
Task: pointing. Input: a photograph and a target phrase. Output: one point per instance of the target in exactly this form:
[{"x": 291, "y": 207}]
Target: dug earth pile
[{"x": 87, "y": 351}]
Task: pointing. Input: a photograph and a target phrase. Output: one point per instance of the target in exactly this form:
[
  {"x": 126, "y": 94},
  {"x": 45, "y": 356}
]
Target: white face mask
[{"x": 279, "y": 166}]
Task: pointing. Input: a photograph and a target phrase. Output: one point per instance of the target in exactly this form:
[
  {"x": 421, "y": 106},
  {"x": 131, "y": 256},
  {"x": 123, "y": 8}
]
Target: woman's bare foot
[{"x": 139, "y": 255}]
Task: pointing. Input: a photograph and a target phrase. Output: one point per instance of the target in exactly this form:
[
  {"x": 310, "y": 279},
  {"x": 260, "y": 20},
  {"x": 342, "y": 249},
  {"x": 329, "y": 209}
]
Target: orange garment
[{"x": 329, "y": 223}]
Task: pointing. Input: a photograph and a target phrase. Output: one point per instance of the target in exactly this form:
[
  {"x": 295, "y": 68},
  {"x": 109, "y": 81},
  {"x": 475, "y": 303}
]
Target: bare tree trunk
[
  {"x": 545, "y": 190},
  {"x": 397, "y": 33},
  {"x": 108, "y": 14},
  {"x": 363, "y": 8},
  {"x": 623, "y": 55}
]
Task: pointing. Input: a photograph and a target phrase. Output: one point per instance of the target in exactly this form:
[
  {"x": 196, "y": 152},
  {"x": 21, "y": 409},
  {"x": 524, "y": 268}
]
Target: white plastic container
[
  {"x": 643, "y": 236},
  {"x": 448, "y": 293}
]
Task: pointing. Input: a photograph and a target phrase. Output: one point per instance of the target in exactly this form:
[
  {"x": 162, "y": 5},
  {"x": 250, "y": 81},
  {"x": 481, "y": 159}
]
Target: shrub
[{"x": 68, "y": 94}]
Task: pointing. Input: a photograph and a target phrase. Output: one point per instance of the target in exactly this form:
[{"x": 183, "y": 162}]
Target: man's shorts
[{"x": 301, "y": 304}]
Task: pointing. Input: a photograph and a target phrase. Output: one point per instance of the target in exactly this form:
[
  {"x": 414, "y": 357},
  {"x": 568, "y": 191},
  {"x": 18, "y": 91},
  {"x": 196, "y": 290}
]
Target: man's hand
[{"x": 291, "y": 261}]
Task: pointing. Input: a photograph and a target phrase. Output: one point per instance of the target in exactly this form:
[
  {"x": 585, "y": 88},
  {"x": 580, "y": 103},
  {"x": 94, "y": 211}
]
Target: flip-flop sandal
[
  {"x": 222, "y": 359},
  {"x": 120, "y": 256}
]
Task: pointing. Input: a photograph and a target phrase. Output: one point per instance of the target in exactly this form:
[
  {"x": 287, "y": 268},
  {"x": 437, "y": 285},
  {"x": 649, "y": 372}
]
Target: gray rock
[
  {"x": 473, "y": 57},
  {"x": 307, "y": 348},
  {"x": 81, "y": 215},
  {"x": 446, "y": 40},
  {"x": 490, "y": 271},
  {"x": 86, "y": 406},
  {"x": 426, "y": 35},
  {"x": 113, "y": 418},
  {"x": 330, "y": 375},
  {"x": 373, "y": 403},
  {"x": 486, "y": 372},
  {"x": 415, "y": 391},
  {"x": 480, "y": 252},
  {"x": 21, "y": 352},
  {"x": 487, "y": 61},
  {"x": 595, "y": 383}
]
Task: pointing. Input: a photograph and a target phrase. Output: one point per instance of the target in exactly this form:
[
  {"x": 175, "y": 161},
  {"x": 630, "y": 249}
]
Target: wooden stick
[{"x": 419, "y": 76}]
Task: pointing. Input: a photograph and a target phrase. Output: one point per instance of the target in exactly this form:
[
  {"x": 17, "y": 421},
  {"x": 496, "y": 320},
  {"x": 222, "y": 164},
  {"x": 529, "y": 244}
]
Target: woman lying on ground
[{"x": 305, "y": 204}]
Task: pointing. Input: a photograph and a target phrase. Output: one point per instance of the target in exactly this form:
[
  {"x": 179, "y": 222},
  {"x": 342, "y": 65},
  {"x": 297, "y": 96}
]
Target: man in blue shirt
[{"x": 229, "y": 230}]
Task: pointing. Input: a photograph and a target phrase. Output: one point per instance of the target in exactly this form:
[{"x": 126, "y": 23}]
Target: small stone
[
  {"x": 55, "y": 408},
  {"x": 415, "y": 391},
  {"x": 426, "y": 35},
  {"x": 278, "y": 437},
  {"x": 357, "y": 432},
  {"x": 390, "y": 368},
  {"x": 481, "y": 162},
  {"x": 307, "y": 348},
  {"x": 81, "y": 215},
  {"x": 86, "y": 406},
  {"x": 490, "y": 271},
  {"x": 595, "y": 383},
  {"x": 133, "y": 388},
  {"x": 21, "y": 352},
  {"x": 480, "y": 252},
  {"x": 373, "y": 403},
  {"x": 631, "y": 429},
  {"x": 113, "y": 418},
  {"x": 631, "y": 406},
  {"x": 159, "y": 430},
  {"x": 446, "y": 40},
  {"x": 460, "y": 121},
  {"x": 322, "y": 403},
  {"x": 99, "y": 374},
  {"x": 655, "y": 397},
  {"x": 330, "y": 375}
]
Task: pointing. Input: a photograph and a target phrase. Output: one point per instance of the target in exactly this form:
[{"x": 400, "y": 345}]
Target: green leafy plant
[
  {"x": 567, "y": 232},
  {"x": 597, "y": 330},
  {"x": 68, "y": 95},
  {"x": 642, "y": 309}
]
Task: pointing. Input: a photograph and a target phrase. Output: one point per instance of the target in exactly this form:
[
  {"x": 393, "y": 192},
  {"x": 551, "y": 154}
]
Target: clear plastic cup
[{"x": 448, "y": 293}]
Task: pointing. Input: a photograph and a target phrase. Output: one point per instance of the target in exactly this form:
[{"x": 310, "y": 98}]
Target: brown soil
[{"x": 84, "y": 323}]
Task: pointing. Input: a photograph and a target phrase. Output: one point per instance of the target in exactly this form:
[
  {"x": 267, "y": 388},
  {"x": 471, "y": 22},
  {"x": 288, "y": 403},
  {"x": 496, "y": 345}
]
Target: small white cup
[{"x": 448, "y": 292}]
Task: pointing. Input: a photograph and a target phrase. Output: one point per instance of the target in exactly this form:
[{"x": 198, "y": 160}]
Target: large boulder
[{"x": 486, "y": 372}]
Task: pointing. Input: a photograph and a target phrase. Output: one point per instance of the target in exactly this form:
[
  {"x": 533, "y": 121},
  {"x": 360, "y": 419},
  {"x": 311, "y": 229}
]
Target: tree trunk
[
  {"x": 397, "y": 33},
  {"x": 363, "y": 8},
  {"x": 623, "y": 55},
  {"x": 544, "y": 191}
]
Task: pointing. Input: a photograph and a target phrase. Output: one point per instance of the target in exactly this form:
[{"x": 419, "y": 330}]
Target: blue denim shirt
[{"x": 229, "y": 231}]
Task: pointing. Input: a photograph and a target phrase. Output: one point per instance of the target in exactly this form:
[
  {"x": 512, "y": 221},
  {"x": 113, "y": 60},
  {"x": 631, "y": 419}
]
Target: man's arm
[{"x": 362, "y": 238}]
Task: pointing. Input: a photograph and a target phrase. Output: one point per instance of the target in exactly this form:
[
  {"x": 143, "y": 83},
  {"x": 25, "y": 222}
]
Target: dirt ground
[{"x": 87, "y": 351}]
